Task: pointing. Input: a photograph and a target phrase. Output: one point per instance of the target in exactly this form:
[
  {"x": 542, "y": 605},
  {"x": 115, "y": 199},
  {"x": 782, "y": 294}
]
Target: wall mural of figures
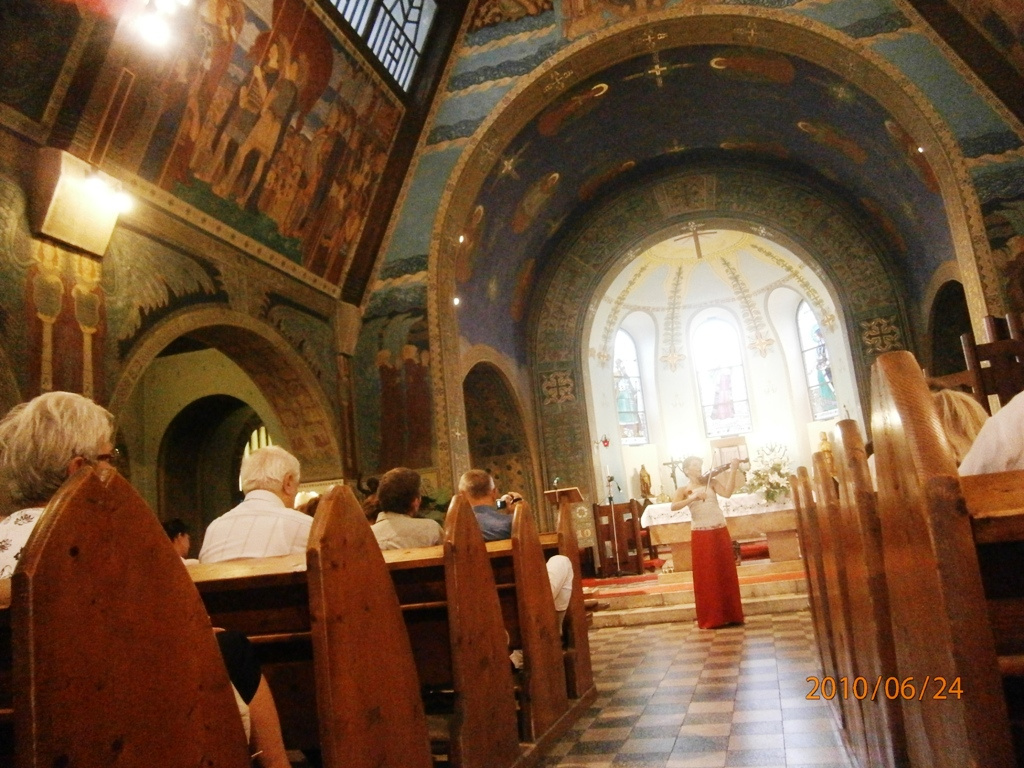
[
  {"x": 268, "y": 120},
  {"x": 37, "y": 39},
  {"x": 393, "y": 395},
  {"x": 65, "y": 310},
  {"x": 1004, "y": 221}
]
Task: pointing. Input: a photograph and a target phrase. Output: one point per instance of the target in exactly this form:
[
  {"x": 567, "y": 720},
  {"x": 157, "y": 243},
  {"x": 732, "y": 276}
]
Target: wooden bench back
[
  {"x": 997, "y": 368},
  {"x": 115, "y": 661},
  {"x": 546, "y": 697},
  {"x": 620, "y": 541},
  {"x": 861, "y": 534},
  {"x": 940, "y": 624},
  {"x": 578, "y": 671},
  {"x": 367, "y": 688},
  {"x": 810, "y": 545},
  {"x": 485, "y": 732},
  {"x": 833, "y": 561}
]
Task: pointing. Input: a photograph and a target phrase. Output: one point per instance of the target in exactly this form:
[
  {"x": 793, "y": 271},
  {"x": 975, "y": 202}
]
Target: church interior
[{"x": 570, "y": 242}]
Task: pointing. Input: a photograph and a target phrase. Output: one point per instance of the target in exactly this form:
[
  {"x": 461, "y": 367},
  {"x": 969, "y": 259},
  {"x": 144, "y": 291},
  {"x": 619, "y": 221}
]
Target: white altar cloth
[{"x": 736, "y": 505}]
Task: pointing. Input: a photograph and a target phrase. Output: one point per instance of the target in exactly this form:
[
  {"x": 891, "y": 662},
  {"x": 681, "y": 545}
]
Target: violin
[{"x": 714, "y": 472}]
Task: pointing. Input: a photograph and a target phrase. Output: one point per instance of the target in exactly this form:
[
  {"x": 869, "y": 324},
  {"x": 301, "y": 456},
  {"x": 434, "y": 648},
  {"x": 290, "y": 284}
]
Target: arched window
[
  {"x": 817, "y": 364},
  {"x": 629, "y": 393},
  {"x": 721, "y": 382}
]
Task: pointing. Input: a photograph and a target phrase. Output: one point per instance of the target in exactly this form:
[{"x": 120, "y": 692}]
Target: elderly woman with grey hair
[{"x": 42, "y": 443}]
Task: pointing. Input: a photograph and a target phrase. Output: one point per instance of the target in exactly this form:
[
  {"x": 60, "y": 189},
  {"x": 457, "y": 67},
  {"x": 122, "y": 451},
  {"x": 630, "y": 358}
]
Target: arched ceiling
[
  {"x": 705, "y": 265},
  {"x": 684, "y": 272},
  {"x": 658, "y": 109}
]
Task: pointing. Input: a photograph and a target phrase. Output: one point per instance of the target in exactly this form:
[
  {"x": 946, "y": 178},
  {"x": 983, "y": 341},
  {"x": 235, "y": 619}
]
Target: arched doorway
[
  {"x": 199, "y": 459},
  {"x": 195, "y": 389},
  {"x": 496, "y": 433},
  {"x": 949, "y": 319}
]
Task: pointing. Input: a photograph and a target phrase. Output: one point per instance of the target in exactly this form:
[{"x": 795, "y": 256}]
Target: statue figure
[{"x": 645, "y": 483}]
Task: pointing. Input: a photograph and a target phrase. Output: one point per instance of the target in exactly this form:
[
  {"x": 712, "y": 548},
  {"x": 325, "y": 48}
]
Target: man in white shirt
[
  {"x": 398, "y": 526},
  {"x": 264, "y": 524}
]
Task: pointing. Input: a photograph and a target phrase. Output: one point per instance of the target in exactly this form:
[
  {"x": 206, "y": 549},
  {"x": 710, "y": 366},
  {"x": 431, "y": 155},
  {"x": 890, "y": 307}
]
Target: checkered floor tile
[{"x": 675, "y": 696}]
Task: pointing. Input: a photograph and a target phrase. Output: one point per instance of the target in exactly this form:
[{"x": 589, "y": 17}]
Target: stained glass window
[
  {"x": 629, "y": 392},
  {"x": 718, "y": 358},
  {"x": 817, "y": 365},
  {"x": 395, "y": 30}
]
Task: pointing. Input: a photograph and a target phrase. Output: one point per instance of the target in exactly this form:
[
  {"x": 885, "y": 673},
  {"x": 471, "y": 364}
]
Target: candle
[{"x": 607, "y": 471}]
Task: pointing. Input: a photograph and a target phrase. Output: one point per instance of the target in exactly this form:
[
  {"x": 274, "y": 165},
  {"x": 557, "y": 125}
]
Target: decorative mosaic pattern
[
  {"x": 558, "y": 387},
  {"x": 880, "y": 335}
]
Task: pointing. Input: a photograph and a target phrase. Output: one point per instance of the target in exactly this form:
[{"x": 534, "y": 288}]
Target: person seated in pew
[
  {"x": 560, "y": 575},
  {"x": 371, "y": 504},
  {"x": 962, "y": 419},
  {"x": 47, "y": 440},
  {"x": 999, "y": 446},
  {"x": 398, "y": 525},
  {"x": 264, "y": 524},
  {"x": 177, "y": 531},
  {"x": 478, "y": 488},
  {"x": 42, "y": 443}
]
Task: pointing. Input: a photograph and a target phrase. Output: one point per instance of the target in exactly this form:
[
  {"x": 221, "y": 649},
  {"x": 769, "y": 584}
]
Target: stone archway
[
  {"x": 773, "y": 202},
  {"x": 305, "y": 414},
  {"x": 679, "y": 27}
]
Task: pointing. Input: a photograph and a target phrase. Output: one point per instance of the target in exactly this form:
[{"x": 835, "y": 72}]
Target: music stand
[{"x": 559, "y": 496}]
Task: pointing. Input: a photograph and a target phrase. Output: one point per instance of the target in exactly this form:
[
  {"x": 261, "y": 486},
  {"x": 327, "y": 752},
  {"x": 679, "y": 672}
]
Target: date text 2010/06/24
[{"x": 860, "y": 688}]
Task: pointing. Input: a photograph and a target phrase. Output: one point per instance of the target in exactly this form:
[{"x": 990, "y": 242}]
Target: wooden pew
[
  {"x": 996, "y": 368},
  {"x": 485, "y": 731},
  {"x": 367, "y": 693},
  {"x": 833, "y": 559},
  {"x": 578, "y": 672},
  {"x": 268, "y": 600},
  {"x": 620, "y": 538},
  {"x": 940, "y": 622},
  {"x": 861, "y": 534},
  {"x": 114, "y": 660},
  {"x": 810, "y": 542},
  {"x": 546, "y": 697}
]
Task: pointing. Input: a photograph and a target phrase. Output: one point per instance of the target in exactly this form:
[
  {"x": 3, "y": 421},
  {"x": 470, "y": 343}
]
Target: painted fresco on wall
[
  {"x": 146, "y": 280},
  {"x": 704, "y": 97},
  {"x": 1002, "y": 21},
  {"x": 268, "y": 121},
  {"x": 65, "y": 312},
  {"x": 1002, "y": 203},
  {"x": 391, "y": 372},
  {"x": 489, "y": 13},
  {"x": 39, "y": 38}
]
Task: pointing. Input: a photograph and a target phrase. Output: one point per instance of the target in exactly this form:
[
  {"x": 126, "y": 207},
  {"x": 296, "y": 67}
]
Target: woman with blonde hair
[{"x": 962, "y": 418}]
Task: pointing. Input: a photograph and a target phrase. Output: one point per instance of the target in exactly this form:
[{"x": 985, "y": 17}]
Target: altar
[{"x": 747, "y": 516}]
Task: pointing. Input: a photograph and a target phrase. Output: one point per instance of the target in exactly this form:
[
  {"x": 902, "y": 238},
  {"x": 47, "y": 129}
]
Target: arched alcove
[
  {"x": 496, "y": 433},
  {"x": 295, "y": 401},
  {"x": 851, "y": 277},
  {"x": 949, "y": 319}
]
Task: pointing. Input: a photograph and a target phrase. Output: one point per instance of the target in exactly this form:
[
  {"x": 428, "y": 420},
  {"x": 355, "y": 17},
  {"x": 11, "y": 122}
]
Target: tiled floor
[{"x": 675, "y": 696}]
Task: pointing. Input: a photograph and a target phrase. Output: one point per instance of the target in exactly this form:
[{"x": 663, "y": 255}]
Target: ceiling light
[{"x": 456, "y": 301}]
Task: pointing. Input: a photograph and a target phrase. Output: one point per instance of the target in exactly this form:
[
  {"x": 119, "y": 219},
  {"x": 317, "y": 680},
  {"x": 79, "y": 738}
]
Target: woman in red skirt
[{"x": 716, "y": 586}]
